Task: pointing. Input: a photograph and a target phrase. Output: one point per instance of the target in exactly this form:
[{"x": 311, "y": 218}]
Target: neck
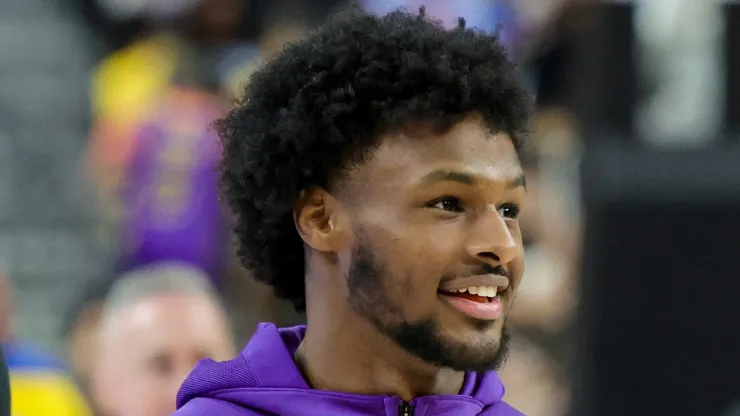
[{"x": 345, "y": 352}]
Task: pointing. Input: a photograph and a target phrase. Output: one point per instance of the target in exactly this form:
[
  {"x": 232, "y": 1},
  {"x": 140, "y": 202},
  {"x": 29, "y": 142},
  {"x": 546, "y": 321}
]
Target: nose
[{"x": 492, "y": 241}]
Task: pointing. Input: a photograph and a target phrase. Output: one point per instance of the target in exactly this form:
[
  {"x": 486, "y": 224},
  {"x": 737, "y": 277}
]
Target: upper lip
[{"x": 492, "y": 280}]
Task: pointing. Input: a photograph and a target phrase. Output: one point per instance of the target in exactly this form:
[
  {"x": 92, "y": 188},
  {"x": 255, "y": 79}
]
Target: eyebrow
[{"x": 468, "y": 179}]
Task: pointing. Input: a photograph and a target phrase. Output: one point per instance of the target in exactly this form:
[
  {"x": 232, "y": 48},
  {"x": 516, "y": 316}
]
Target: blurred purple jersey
[{"x": 170, "y": 197}]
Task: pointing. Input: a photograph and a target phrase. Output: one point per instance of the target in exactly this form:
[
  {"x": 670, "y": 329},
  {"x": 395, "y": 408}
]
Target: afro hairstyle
[{"x": 323, "y": 102}]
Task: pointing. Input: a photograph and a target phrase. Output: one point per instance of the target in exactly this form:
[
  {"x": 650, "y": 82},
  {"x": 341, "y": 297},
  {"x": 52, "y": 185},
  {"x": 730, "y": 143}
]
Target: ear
[{"x": 321, "y": 220}]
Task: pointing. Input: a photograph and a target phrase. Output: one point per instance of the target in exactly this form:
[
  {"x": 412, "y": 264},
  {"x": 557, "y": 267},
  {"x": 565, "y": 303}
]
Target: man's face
[
  {"x": 151, "y": 350},
  {"x": 435, "y": 215}
]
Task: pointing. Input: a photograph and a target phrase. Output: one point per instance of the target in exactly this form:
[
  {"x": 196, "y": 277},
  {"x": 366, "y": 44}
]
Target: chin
[
  {"x": 467, "y": 329},
  {"x": 479, "y": 345},
  {"x": 481, "y": 335}
]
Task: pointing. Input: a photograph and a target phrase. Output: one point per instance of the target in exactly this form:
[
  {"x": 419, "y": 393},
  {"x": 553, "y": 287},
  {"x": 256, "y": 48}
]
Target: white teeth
[{"x": 487, "y": 291}]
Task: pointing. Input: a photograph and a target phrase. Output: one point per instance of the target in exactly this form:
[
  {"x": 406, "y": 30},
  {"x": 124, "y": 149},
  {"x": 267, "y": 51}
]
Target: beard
[{"x": 368, "y": 296}]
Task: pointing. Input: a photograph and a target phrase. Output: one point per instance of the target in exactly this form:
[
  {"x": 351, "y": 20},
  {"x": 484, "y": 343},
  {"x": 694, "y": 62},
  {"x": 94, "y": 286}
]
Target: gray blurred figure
[{"x": 157, "y": 323}]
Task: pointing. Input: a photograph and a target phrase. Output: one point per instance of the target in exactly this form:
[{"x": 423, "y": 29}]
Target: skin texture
[
  {"x": 421, "y": 209},
  {"x": 148, "y": 349}
]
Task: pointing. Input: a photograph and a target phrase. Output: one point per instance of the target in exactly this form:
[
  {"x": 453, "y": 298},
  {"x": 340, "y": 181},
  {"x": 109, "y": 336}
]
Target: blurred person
[
  {"x": 39, "y": 382},
  {"x": 182, "y": 46},
  {"x": 374, "y": 173},
  {"x": 169, "y": 196},
  {"x": 533, "y": 373},
  {"x": 547, "y": 289},
  {"x": 155, "y": 172},
  {"x": 139, "y": 157},
  {"x": 152, "y": 153},
  {"x": 157, "y": 322},
  {"x": 536, "y": 375}
]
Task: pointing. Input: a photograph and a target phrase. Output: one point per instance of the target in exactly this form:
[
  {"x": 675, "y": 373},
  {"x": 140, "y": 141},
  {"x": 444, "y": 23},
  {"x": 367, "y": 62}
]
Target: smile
[{"x": 480, "y": 302}]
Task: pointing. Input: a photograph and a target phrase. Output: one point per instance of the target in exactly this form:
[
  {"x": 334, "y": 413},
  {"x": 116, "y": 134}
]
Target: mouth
[{"x": 479, "y": 302}]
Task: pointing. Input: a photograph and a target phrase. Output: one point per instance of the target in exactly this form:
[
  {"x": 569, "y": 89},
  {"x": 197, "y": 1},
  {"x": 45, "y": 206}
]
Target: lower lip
[{"x": 487, "y": 311}]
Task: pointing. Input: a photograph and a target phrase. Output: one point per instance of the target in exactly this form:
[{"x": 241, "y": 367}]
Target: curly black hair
[{"x": 326, "y": 99}]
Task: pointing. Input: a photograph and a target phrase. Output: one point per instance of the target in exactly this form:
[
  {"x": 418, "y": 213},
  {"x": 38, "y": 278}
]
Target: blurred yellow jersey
[
  {"x": 39, "y": 386},
  {"x": 35, "y": 393}
]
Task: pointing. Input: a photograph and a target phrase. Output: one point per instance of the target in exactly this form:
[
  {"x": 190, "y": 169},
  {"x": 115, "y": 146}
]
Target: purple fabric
[
  {"x": 264, "y": 380},
  {"x": 170, "y": 197}
]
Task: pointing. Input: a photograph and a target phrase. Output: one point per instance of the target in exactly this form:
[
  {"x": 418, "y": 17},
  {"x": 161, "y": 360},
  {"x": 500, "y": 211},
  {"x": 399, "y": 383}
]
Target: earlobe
[{"x": 316, "y": 217}]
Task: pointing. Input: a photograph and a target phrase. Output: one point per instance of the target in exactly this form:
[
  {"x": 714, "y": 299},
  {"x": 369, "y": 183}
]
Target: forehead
[
  {"x": 172, "y": 321},
  {"x": 468, "y": 146}
]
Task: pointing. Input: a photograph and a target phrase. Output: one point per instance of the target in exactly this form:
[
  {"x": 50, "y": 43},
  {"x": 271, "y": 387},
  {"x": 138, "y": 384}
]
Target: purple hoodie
[{"x": 264, "y": 380}]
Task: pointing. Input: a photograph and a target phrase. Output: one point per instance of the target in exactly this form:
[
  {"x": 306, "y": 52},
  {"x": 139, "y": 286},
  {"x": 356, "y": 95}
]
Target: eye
[
  {"x": 447, "y": 203},
  {"x": 162, "y": 365},
  {"x": 509, "y": 211}
]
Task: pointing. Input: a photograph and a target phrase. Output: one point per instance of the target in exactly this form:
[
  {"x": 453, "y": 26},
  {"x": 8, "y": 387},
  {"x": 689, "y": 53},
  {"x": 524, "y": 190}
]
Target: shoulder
[{"x": 202, "y": 406}]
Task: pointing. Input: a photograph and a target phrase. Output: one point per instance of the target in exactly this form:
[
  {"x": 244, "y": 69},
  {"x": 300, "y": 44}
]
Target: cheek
[
  {"x": 415, "y": 270},
  {"x": 156, "y": 401},
  {"x": 432, "y": 258},
  {"x": 414, "y": 258},
  {"x": 516, "y": 269},
  {"x": 156, "y": 395}
]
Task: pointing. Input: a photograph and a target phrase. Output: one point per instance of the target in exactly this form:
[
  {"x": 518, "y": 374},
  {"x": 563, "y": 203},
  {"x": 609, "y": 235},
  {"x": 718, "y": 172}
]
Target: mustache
[
  {"x": 482, "y": 269},
  {"x": 489, "y": 269}
]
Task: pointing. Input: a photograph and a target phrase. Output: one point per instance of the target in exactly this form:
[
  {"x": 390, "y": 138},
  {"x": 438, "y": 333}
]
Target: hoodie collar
[
  {"x": 265, "y": 376},
  {"x": 271, "y": 355}
]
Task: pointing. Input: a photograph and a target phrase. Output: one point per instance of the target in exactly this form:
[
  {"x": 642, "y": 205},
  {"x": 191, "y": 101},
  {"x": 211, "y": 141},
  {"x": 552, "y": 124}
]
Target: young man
[{"x": 373, "y": 169}]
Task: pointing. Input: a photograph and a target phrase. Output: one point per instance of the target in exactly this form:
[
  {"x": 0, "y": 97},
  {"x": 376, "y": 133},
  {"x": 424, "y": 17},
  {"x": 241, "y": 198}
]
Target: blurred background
[{"x": 629, "y": 301}]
